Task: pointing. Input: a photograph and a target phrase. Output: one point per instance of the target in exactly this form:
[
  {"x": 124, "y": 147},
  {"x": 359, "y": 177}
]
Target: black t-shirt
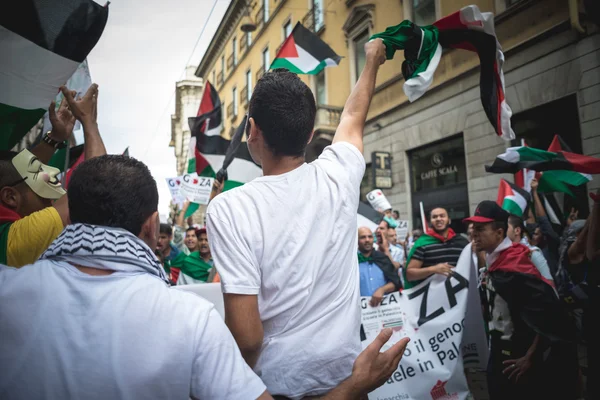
[{"x": 436, "y": 253}]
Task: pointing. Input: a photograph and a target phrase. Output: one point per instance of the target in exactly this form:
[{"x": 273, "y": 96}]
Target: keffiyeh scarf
[{"x": 106, "y": 248}]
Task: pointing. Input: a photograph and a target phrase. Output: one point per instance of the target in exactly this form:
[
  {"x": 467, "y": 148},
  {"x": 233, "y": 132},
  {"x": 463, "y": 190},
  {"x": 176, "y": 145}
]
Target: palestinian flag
[
  {"x": 192, "y": 268},
  {"x": 43, "y": 44},
  {"x": 566, "y": 177},
  {"x": 517, "y": 158},
  {"x": 367, "y": 217},
  {"x": 512, "y": 198},
  {"x": 303, "y": 52},
  {"x": 467, "y": 29},
  {"x": 208, "y": 148}
]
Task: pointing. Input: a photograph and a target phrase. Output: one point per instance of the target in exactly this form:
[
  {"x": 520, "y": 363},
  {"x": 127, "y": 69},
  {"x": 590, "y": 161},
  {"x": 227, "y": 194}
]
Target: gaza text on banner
[
  {"x": 196, "y": 188},
  {"x": 432, "y": 314}
]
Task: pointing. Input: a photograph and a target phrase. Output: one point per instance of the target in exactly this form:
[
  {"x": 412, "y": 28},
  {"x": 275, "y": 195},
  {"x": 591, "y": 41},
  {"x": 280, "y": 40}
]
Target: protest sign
[
  {"x": 378, "y": 200},
  {"x": 432, "y": 315},
  {"x": 174, "y": 185},
  {"x": 196, "y": 188},
  {"x": 402, "y": 230}
]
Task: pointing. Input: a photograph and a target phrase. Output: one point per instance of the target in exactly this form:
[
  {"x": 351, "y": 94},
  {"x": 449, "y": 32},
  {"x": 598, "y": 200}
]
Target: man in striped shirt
[{"x": 436, "y": 252}]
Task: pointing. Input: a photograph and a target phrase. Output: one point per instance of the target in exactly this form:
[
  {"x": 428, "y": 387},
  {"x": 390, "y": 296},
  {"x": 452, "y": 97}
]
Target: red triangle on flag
[
  {"x": 288, "y": 50},
  {"x": 503, "y": 191},
  {"x": 555, "y": 146}
]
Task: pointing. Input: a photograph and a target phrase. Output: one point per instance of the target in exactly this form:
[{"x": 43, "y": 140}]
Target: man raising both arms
[{"x": 289, "y": 271}]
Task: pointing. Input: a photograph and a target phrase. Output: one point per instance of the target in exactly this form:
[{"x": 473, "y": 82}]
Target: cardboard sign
[
  {"x": 196, "y": 188},
  {"x": 402, "y": 229},
  {"x": 174, "y": 185},
  {"x": 378, "y": 200}
]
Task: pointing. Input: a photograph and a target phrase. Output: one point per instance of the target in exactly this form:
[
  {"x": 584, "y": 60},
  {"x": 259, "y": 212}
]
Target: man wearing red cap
[{"x": 526, "y": 317}]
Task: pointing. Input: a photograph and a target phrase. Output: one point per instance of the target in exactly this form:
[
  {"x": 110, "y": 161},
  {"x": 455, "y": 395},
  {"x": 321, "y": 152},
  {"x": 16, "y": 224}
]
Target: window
[
  {"x": 266, "y": 60},
  {"x": 235, "y": 101},
  {"x": 423, "y": 12},
  {"x": 318, "y": 14},
  {"x": 287, "y": 29},
  {"x": 265, "y": 10},
  {"x": 214, "y": 78},
  {"x": 321, "y": 89},
  {"x": 223, "y": 67},
  {"x": 234, "y": 45},
  {"x": 248, "y": 85},
  {"x": 248, "y": 38},
  {"x": 359, "y": 52}
]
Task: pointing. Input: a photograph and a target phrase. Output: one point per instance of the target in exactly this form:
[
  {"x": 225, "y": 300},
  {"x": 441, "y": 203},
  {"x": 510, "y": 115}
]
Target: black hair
[
  {"x": 517, "y": 222},
  {"x": 500, "y": 225},
  {"x": 112, "y": 190},
  {"x": 166, "y": 229},
  {"x": 435, "y": 208},
  {"x": 191, "y": 228},
  {"x": 284, "y": 109},
  {"x": 8, "y": 173}
]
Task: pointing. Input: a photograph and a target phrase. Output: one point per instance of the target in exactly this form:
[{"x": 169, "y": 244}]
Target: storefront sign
[
  {"x": 438, "y": 165},
  {"x": 381, "y": 164}
]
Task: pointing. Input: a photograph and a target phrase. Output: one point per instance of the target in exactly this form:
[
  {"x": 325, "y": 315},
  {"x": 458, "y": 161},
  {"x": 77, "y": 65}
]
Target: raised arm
[
  {"x": 86, "y": 111},
  {"x": 63, "y": 123},
  {"x": 352, "y": 121}
]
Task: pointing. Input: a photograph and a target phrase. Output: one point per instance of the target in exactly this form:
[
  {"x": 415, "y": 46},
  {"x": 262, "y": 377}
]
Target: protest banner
[
  {"x": 378, "y": 200},
  {"x": 196, "y": 188},
  {"x": 432, "y": 315},
  {"x": 174, "y": 185}
]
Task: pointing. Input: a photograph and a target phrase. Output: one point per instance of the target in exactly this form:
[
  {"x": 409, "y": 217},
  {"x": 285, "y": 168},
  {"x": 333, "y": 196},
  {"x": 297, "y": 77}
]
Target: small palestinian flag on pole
[
  {"x": 208, "y": 148},
  {"x": 303, "y": 52},
  {"x": 517, "y": 158},
  {"x": 565, "y": 177},
  {"x": 43, "y": 44},
  {"x": 467, "y": 29},
  {"x": 512, "y": 198}
]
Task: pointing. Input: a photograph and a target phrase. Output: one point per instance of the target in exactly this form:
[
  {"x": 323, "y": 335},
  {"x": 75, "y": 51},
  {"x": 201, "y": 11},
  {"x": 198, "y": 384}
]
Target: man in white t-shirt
[
  {"x": 94, "y": 318},
  {"x": 285, "y": 243}
]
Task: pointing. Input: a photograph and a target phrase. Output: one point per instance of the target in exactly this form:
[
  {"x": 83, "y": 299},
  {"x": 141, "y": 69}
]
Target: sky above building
[{"x": 141, "y": 55}]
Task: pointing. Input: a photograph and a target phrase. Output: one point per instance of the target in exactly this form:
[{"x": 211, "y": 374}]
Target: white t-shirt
[
  {"x": 68, "y": 335},
  {"x": 291, "y": 239}
]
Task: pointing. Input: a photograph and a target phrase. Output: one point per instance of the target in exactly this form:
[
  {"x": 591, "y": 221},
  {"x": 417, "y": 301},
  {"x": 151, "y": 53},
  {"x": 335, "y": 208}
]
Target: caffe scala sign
[{"x": 439, "y": 169}]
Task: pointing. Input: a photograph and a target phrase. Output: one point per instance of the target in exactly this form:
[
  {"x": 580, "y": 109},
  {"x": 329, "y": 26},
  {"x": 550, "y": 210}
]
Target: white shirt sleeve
[
  {"x": 342, "y": 157},
  {"x": 238, "y": 268},
  {"x": 219, "y": 370}
]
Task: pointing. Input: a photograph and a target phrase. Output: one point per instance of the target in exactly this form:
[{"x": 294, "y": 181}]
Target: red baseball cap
[{"x": 488, "y": 211}]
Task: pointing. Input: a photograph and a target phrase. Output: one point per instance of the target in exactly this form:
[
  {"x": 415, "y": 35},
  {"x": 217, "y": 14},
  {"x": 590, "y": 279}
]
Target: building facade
[{"x": 439, "y": 144}]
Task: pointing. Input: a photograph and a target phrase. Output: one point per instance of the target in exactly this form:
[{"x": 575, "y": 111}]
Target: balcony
[
  {"x": 244, "y": 97},
  {"x": 220, "y": 78},
  {"x": 314, "y": 19},
  {"x": 260, "y": 72},
  {"x": 230, "y": 63},
  {"x": 327, "y": 118},
  {"x": 260, "y": 19},
  {"x": 230, "y": 111},
  {"x": 243, "y": 45}
]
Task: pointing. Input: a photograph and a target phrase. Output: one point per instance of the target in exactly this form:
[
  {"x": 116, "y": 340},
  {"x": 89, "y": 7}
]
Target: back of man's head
[
  {"x": 8, "y": 172},
  {"x": 517, "y": 222},
  {"x": 112, "y": 190},
  {"x": 284, "y": 109}
]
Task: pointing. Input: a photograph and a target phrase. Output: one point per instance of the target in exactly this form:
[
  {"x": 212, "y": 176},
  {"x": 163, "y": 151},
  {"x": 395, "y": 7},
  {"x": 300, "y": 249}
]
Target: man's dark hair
[
  {"x": 166, "y": 229},
  {"x": 112, "y": 190},
  {"x": 500, "y": 225},
  {"x": 284, "y": 109},
  {"x": 517, "y": 222},
  {"x": 438, "y": 208},
  {"x": 191, "y": 228},
  {"x": 8, "y": 172}
]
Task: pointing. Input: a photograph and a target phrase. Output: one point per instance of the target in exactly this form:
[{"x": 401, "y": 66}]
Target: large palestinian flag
[
  {"x": 512, "y": 198},
  {"x": 517, "y": 158},
  {"x": 467, "y": 29},
  {"x": 42, "y": 44},
  {"x": 207, "y": 147},
  {"x": 303, "y": 52}
]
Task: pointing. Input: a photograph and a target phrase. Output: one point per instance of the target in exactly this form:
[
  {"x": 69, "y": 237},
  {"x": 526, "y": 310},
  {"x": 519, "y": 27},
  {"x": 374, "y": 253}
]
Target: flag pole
[
  {"x": 423, "y": 217},
  {"x": 67, "y": 156}
]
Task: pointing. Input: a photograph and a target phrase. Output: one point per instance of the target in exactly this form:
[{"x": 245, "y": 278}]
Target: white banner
[
  {"x": 196, "y": 188},
  {"x": 174, "y": 185},
  {"x": 432, "y": 315},
  {"x": 378, "y": 200}
]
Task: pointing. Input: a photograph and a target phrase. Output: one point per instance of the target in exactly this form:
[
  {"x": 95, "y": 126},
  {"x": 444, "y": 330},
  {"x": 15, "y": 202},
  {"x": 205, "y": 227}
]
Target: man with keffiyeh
[{"x": 93, "y": 318}]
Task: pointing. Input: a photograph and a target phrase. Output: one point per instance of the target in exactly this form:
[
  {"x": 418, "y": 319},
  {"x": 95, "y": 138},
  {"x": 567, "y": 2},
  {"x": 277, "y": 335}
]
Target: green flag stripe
[
  {"x": 287, "y": 64},
  {"x": 533, "y": 154},
  {"x": 15, "y": 123},
  {"x": 512, "y": 207}
]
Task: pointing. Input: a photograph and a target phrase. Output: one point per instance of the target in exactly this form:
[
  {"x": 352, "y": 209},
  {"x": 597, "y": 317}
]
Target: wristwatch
[{"x": 56, "y": 144}]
